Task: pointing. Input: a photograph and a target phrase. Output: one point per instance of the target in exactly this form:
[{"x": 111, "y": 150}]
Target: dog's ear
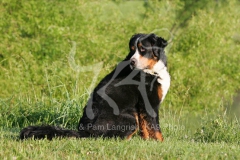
[
  {"x": 157, "y": 41},
  {"x": 133, "y": 41},
  {"x": 158, "y": 48},
  {"x": 161, "y": 42},
  {"x": 152, "y": 38}
]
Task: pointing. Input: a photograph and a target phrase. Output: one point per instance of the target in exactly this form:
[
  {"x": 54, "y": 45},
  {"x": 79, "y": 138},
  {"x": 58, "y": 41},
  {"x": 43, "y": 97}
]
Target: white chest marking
[{"x": 160, "y": 70}]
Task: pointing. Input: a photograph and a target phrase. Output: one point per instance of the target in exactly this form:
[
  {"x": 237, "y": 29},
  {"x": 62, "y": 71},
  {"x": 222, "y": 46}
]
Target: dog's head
[{"x": 147, "y": 52}]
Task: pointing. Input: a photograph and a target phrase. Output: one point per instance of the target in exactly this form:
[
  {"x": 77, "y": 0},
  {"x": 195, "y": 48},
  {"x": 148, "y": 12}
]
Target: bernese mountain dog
[{"x": 126, "y": 101}]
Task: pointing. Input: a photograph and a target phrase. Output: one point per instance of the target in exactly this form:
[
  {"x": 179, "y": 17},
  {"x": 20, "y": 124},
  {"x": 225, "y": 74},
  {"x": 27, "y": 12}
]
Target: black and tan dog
[{"x": 126, "y": 100}]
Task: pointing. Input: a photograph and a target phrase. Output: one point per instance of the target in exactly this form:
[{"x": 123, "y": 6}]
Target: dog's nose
[{"x": 133, "y": 61}]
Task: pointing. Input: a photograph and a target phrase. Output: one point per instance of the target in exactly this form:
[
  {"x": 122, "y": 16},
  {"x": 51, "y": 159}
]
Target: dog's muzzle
[{"x": 133, "y": 62}]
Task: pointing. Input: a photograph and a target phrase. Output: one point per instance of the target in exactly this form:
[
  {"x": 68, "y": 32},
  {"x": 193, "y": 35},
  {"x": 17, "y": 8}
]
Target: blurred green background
[
  {"x": 47, "y": 46},
  {"x": 39, "y": 86}
]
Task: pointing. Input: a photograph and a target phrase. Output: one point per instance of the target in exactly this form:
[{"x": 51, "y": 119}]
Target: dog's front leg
[{"x": 149, "y": 127}]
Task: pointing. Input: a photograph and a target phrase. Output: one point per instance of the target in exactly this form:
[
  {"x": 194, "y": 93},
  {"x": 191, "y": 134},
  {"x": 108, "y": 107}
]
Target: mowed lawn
[{"x": 47, "y": 48}]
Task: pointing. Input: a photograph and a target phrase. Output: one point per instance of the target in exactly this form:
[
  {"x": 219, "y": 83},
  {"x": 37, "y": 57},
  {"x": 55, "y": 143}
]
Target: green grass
[
  {"x": 109, "y": 149},
  {"x": 40, "y": 85}
]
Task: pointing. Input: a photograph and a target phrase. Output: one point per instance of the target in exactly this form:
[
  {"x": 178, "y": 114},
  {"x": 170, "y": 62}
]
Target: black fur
[
  {"x": 49, "y": 132},
  {"x": 127, "y": 88}
]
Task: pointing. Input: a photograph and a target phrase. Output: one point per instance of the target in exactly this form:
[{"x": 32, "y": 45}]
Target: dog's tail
[{"x": 49, "y": 132}]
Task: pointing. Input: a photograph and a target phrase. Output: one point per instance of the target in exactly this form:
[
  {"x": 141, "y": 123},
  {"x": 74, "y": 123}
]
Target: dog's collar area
[
  {"x": 151, "y": 72},
  {"x": 148, "y": 71}
]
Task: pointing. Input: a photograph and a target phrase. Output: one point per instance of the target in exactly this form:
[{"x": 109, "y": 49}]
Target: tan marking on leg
[
  {"x": 143, "y": 127},
  {"x": 159, "y": 136},
  {"x": 155, "y": 134},
  {"x": 130, "y": 136},
  {"x": 147, "y": 131}
]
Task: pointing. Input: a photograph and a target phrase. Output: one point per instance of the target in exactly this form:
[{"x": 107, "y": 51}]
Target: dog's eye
[{"x": 142, "y": 49}]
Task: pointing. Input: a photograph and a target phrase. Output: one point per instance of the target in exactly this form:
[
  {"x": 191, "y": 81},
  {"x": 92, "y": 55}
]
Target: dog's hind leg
[{"x": 136, "y": 129}]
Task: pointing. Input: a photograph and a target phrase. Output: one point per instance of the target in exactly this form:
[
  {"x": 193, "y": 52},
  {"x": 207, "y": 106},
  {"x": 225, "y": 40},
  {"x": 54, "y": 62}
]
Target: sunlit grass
[{"x": 39, "y": 86}]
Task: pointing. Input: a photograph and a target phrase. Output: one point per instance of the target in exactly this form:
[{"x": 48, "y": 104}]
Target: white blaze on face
[{"x": 139, "y": 64}]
